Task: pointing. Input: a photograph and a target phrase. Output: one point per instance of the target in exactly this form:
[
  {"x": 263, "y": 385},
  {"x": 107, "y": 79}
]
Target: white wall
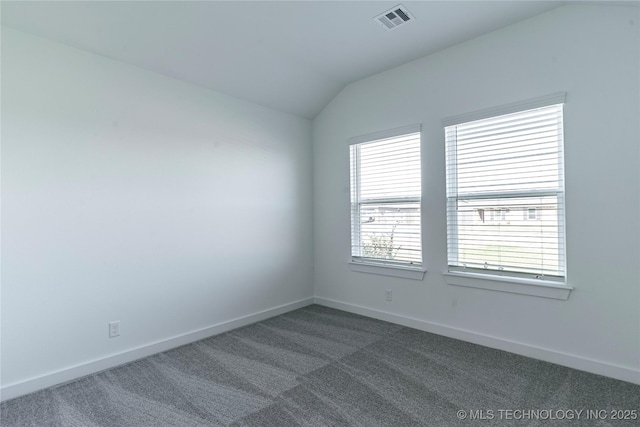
[
  {"x": 130, "y": 196},
  {"x": 592, "y": 53}
]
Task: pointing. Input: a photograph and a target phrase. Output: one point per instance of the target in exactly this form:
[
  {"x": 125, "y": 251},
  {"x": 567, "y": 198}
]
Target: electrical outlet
[
  {"x": 114, "y": 329},
  {"x": 388, "y": 295}
]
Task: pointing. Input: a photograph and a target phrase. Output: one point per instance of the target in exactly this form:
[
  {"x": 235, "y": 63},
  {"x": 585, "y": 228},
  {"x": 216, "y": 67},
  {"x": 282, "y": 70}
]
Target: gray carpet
[{"x": 322, "y": 367}]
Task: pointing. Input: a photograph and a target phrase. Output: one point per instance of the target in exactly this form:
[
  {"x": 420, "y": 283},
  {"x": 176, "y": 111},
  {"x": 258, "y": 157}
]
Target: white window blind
[
  {"x": 385, "y": 198},
  {"x": 505, "y": 194}
]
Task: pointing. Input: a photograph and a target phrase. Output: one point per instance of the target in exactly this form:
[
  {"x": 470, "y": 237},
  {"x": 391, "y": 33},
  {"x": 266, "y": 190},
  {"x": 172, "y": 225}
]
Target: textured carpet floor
[{"x": 322, "y": 367}]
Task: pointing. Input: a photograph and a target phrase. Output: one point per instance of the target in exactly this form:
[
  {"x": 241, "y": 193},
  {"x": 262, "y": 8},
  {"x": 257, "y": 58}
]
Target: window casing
[
  {"x": 385, "y": 187},
  {"x": 505, "y": 192}
]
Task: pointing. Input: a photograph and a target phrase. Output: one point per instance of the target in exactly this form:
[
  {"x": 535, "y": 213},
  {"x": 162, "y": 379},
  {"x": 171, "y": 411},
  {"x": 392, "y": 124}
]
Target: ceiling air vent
[{"x": 394, "y": 17}]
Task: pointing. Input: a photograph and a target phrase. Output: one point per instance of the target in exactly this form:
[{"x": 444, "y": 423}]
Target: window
[
  {"x": 510, "y": 165},
  {"x": 385, "y": 198},
  {"x": 531, "y": 213}
]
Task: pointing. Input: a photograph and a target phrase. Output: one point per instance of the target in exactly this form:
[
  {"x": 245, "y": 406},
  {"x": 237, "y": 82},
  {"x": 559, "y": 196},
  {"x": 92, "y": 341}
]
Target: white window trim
[
  {"x": 515, "y": 107},
  {"x": 413, "y": 273},
  {"x": 532, "y": 287},
  {"x": 510, "y": 284},
  {"x": 391, "y": 133},
  {"x": 416, "y": 272}
]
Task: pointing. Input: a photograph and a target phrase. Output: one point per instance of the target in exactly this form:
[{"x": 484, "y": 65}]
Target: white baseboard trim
[
  {"x": 13, "y": 390},
  {"x": 570, "y": 360}
]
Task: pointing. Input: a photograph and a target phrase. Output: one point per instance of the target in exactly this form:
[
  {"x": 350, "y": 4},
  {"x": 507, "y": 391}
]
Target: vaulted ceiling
[{"x": 292, "y": 56}]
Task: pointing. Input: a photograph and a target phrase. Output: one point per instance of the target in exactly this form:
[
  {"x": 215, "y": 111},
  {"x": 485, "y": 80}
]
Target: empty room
[{"x": 320, "y": 213}]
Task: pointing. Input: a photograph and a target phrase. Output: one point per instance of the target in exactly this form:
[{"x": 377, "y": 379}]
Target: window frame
[
  {"x": 356, "y": 263},
  {"x": 496, "y": 280}
]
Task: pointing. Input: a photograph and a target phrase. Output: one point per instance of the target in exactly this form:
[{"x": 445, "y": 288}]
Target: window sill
[
  {"x": 537, "y": 288},
  {"x": 416, "y": 273}
]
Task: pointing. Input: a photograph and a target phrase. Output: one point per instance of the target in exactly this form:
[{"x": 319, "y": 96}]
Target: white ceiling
[{"x": 292, "y": 56}]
